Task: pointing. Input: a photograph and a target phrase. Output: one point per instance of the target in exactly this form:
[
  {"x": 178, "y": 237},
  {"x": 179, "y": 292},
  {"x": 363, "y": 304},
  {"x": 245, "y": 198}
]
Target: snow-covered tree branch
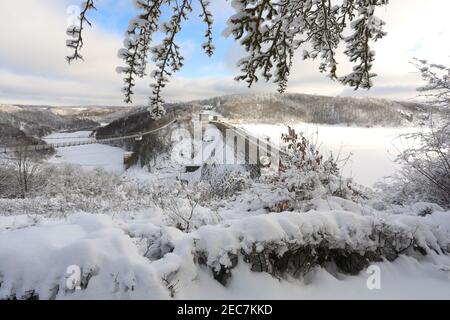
[
  {"x": 437, "y": 89},
  {"x": 426, "y": 163},
  {"x": 75, "y": 33},
  {"x": 269, "y": 30}
]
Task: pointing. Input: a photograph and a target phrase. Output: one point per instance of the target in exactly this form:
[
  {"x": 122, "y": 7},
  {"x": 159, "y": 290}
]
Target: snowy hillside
[{"x": 21, "y": 124}]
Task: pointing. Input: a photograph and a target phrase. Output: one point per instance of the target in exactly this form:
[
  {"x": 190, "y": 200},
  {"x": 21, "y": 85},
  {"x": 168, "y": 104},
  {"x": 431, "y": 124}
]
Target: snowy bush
[
  {"x": 225, "y": 181},
  {"x": 307, "y": 174},
  {"x": 108, "y": 262},
  {"x": 67, "y": 189},
  {"x": 114, "y": 262},
  {"x": 294, "y": 244},
  {"x": 229, "y": 185},
  {"x": 23, "y": 174},
  {"x": 183, "y": 204},
  {"x": 425, "y": 175}
]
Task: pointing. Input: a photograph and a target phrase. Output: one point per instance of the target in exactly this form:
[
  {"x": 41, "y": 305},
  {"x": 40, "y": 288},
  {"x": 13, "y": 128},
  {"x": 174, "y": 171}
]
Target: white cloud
[
  {"x": 32, "y": 59},
  {"x": 416, "y": 28}
]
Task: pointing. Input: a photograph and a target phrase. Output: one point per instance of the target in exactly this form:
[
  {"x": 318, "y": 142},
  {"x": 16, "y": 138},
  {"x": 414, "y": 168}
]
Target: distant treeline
[
  {"x": 39, "y": 122},
  {"x": 317, "y": 109}
]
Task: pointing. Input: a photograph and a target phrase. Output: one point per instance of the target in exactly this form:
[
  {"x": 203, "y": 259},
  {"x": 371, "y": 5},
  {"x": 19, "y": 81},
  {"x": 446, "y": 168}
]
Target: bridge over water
[{"x": 247, "y": 147}]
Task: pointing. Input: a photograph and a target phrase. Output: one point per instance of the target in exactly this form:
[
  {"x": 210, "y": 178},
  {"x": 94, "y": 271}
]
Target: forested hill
[
  {"x": 38, "y": 121},
  {"x": 317, "y": 109},
  {"x": 276, "y": 108},
  {"x": 21, "y": 124}
]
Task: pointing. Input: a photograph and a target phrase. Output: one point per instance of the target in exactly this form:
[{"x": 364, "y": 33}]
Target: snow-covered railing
[{"x": 262, "y": 144}]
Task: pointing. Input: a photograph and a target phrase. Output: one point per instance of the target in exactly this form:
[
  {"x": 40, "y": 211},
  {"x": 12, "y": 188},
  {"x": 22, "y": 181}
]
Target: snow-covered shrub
[
  {"x": 183, "y": 204},
  {"x": 425, "y": 175},
  {"x": 293, "y": 243},
  {"x": 307, "y": 174},
  {"x": 108, "y": 262},
  {"x": 224, "y": 181},
  {"x": 229, "y": 185},
  {"x": 68, "y": 189},
  {"x": 21, "y": 174},
  {"x": 138, "y": 258}
]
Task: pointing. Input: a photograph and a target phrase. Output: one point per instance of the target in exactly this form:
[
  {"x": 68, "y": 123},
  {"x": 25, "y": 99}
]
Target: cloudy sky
[{"x": 33, "y": 69}]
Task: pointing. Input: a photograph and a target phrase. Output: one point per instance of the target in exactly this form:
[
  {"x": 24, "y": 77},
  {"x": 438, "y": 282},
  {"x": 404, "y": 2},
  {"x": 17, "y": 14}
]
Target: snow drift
[{"x": 139, "y": 257}]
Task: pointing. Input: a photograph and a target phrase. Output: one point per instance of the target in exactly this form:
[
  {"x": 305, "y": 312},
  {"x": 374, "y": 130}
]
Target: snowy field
[{"x": 372, "y": 150}]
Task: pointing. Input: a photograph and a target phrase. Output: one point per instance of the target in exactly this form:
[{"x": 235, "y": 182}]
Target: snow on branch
[
  {"x": 425, "y": 172},
  {"x": 269, "y": 30},
  {"x": 75, "y": 33},
  {"x": 167, "y": 55},
  {"x": 437, "y": 76},
  {"x": 137, "y": 44},
  {"x": 208, "y": 19}
]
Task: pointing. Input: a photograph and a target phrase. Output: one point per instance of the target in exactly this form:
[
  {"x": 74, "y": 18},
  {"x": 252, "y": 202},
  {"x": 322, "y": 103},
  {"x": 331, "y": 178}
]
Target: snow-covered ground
[
  {"x": 372, "y": 150},
  {"x": 405, "y": 278},
  {"x": 151, "y": 253},
  {"x": 114, "y": 259}
]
